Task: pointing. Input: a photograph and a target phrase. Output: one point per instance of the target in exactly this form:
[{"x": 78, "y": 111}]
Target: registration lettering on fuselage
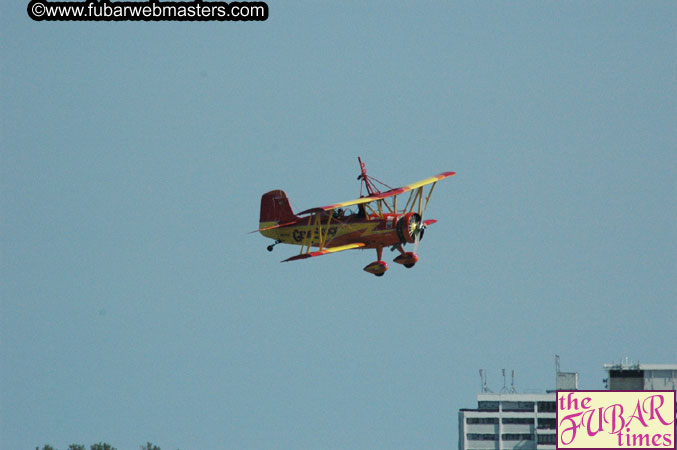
[{"x": 300, "y": 235}]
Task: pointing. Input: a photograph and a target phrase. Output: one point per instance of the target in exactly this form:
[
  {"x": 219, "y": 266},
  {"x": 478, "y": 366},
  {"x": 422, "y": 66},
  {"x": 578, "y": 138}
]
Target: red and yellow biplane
[{"x": 375, "y": 220}]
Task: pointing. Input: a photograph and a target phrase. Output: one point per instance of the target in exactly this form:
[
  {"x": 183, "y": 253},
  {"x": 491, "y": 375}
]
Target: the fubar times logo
[{"x": 616, "y": 420}]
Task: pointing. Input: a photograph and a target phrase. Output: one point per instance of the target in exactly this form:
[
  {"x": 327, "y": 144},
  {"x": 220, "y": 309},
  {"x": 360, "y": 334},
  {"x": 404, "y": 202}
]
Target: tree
[
  {"x": 45, "y": 447},
  {"x": 102, "y": 446},
  {"x": 150, "y": 446},
  {"x": 76, "y": 447}
]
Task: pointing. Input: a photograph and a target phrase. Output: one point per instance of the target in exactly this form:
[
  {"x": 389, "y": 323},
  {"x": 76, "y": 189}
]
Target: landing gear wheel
[
  {"x": 272, "y": 246},
  {"x": 380, "y": 274},
  {"x": 409, "y": 266}
]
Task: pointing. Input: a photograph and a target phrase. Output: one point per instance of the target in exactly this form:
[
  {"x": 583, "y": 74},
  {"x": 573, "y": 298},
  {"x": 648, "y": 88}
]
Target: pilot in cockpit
[{"x": 350, "y": 211}]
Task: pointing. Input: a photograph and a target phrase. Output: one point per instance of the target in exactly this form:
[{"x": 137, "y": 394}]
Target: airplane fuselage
[{"x": 373, "y": 231}]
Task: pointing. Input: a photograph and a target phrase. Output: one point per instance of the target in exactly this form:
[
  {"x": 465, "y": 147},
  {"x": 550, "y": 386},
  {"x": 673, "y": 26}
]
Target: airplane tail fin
[{"x": 275, "y": 207}]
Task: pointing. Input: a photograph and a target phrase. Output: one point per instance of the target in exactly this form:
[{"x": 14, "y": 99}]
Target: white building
[
  {"x": 628, "y": 376},
  {"x": 513, "y": 421},
  {"x": 509, "y": 421}
]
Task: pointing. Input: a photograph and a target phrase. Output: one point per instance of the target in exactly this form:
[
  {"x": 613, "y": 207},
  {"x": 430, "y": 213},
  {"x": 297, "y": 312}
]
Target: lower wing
[{"x": 325, "y": 251}]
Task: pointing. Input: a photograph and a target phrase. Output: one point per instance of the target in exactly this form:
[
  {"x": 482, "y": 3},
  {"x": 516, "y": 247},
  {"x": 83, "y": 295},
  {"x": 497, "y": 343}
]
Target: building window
[
  {"x": 547, "y": 439},
  {"x": 482, "y": 437},
  {"x": 517, "y": 437},
  {"x": 627, "y": 373},
  {"x": 547, "y": 424},
  {"x": 547, "y": 407},
  {"x": 626, "y": 380},
  {"x": 481, "y": 420},
  {"x": 518, "y": 420},
  {"x": 487, "y": 406},
  {"x": 518, "y": 406}
]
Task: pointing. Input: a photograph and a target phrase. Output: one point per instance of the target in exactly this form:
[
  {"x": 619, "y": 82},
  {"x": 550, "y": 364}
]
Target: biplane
[{"x": 375, "y": 220}]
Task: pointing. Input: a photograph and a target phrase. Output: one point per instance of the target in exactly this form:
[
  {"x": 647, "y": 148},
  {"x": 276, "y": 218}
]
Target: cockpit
[{"x": 349, "y": 211}]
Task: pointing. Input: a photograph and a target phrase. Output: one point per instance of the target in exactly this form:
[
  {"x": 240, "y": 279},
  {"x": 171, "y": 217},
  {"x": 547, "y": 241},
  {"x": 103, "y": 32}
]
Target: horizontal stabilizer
[{"x": 272, "y": 227}]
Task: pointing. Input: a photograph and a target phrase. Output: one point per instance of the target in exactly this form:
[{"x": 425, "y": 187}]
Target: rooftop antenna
[
  {"x": 512, "y": 383},
  {"x": 505, "y": 389},
  {"x": 483, "y": 381},
  {"x": 557, "y": 363}
]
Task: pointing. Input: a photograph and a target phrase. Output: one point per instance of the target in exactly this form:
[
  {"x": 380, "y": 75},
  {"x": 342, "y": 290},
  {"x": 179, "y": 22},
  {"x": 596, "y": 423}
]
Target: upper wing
[
  {"x": 418, "y": 184},
  {"x": 325, "y": 251},
  {"x": 381, "y": 196}
]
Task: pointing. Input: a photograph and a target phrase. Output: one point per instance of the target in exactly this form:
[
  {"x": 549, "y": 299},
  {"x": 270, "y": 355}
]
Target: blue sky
[{"x": 135, "y": 307}]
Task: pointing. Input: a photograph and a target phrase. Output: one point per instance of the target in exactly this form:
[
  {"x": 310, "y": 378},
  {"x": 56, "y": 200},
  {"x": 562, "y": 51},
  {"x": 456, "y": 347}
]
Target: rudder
[{"x": 275, "y": 207}]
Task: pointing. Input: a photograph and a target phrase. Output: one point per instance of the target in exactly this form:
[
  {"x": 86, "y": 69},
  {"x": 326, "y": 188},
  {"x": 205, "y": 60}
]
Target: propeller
[
  {"x": 420, "y": 229},
  {"x": 417, "y": 239},
  {"x": 415, "y": 226},
  {"x": 419, "y": 234},
  {"x": 411, "y": 229}
]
